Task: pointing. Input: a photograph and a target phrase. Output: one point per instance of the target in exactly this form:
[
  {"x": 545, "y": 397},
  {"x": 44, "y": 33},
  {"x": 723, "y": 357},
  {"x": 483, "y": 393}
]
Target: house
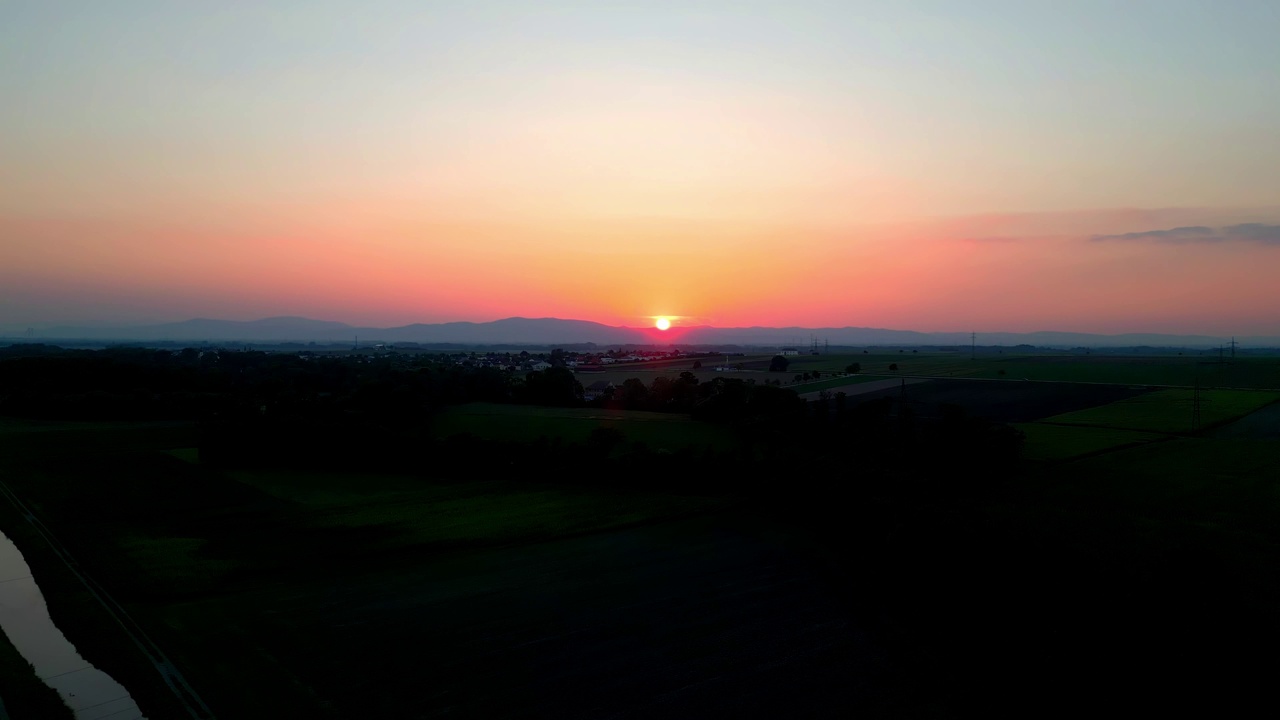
[
  {"x": 596, "y": 390},
  {"x": 541, "y": 365},
  {"x": 788, "y": 351}
]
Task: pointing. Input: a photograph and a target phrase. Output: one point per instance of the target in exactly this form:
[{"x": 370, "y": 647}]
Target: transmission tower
[
  {"x": 1233, "y": 348},
  {"x": 973, "y": 346}
]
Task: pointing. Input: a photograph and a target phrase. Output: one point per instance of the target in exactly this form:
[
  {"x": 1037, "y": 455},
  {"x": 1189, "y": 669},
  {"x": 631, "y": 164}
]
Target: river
[{"x": 89, "y": 692}]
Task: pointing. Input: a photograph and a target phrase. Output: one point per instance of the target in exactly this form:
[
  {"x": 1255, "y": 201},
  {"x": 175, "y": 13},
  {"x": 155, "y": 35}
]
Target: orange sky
[
  {"x": 993, "y": 272},
  {"x": 792, "y": 165}
]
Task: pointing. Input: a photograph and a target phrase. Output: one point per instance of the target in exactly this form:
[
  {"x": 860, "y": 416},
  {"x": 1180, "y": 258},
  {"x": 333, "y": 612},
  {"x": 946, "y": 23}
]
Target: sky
[{"x": 935, "y": 166}]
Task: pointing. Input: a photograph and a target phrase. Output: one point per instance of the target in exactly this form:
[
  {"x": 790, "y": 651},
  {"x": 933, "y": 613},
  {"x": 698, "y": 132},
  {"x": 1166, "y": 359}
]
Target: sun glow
[{"x": 662, "y": 323}]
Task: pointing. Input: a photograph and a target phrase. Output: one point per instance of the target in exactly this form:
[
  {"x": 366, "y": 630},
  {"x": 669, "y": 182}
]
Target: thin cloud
[
  {"x": 1194, "y": 233},
  {"x": 994, "y": 239},
  {"x": 1246, "y": 232},
  {"x": 1254, "y": 232}
]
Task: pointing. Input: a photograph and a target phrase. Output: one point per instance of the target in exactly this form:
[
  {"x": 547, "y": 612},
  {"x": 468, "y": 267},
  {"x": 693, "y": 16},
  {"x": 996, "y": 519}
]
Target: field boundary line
[{"x": 172, "y": 677}]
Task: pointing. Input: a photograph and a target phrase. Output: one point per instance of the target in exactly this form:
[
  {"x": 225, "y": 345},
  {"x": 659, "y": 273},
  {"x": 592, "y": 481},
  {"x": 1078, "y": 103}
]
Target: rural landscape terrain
[
  {"x": 893, "y": 532},
  {"x": 581, "y": 360}
]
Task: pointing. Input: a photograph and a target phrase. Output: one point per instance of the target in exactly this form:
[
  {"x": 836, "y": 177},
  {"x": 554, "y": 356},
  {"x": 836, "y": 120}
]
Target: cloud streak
[{"x": 1258, "y": 233}]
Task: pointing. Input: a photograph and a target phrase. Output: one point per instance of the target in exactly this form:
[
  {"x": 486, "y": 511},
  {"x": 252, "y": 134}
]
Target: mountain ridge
[{"x": 551, "y": 331}]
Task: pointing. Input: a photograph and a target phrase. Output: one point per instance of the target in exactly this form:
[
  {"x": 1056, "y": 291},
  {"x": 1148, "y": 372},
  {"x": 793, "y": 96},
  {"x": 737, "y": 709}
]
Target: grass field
[
  {"x": 936, "y": 364},
  {"x": 574, "y": 425},
  {"x": 1153, "y": 370},
  {"x": 236, "y": 573},
  {"x": 1170, "y": 411},
  {"x": 1187, "y": 480},
  {"x": 1053, "y": 443},
  {"x": 617, "y": 376}
]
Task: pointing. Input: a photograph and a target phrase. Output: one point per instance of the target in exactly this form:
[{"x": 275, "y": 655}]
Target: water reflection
[{"x": 88, "y": 691}]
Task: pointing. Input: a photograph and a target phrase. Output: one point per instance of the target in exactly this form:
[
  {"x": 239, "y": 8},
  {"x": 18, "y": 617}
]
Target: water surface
[{"x": 89, "y": 692}]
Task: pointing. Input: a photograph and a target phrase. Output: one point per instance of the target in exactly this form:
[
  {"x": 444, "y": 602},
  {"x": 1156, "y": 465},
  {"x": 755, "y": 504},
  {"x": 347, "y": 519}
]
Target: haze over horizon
[{"x": 999, "y": 166}]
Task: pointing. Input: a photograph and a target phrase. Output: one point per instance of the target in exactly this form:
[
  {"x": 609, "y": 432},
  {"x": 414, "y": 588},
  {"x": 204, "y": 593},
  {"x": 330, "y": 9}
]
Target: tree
[
  {"x": 697, "y": 364},
  {"x": 893, "y": 367},
  {"x": 778, "y": 364},
  {"x": 634, "y": 395},
  {"x": 854, "y": 368}
]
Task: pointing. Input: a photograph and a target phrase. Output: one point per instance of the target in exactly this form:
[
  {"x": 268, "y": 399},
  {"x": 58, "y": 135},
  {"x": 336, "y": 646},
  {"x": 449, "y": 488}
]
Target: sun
[{"x": 662, "y": 323}]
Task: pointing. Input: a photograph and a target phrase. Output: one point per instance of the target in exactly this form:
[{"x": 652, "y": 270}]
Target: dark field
[
  {"x": 269, "y": 589},
  {"x": 703, "y": 617},
  {"x": 1121, "y": 558},
  {"x": 1170, "y": 411},
  {"x": 574, "y": 425},
  {"x": 1004, "y": 400}
]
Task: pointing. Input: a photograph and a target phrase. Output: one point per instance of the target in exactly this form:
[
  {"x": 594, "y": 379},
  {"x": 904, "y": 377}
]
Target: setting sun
[{"x": 662, "y": 323}]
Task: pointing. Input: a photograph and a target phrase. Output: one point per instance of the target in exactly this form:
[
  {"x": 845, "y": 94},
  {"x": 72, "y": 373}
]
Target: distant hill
[{"x": 554, "y": 331}]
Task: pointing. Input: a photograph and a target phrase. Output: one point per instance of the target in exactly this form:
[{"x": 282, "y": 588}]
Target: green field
[
  {"x": 522, "y": 423},
  {"x": 1170, "y": 411},
  {"x": 935, "y": 364},
  {"x": 1054, "y": 443},
  {"x": 1188, "y": 370},
  {"x": 1177, "y": 370},
  {"x": 1187, "y": 480},
  {"x": 196, "y": 554},
  {"x": 1155, "y": 370},
  {"x": 835, "y": 382}
]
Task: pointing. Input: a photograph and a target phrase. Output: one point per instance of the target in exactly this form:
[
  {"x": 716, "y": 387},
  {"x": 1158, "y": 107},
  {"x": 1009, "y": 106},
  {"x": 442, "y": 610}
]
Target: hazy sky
[{"x": 917, "y": 165}]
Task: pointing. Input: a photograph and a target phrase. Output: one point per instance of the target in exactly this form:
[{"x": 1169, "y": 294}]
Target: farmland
[
  {"x": 575, "y": 425},
  {"x": 1170, "y": 411},
  {"x": 1050, "y": 443},
  {"x": 869, "y": 573},
  {"x": 204, "y": 558}
]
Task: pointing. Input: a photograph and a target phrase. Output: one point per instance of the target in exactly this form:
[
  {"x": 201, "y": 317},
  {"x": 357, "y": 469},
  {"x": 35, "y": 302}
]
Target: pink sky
[
  {"x": 798, "y": 164},
  {"x": 1018, "y": 272}
]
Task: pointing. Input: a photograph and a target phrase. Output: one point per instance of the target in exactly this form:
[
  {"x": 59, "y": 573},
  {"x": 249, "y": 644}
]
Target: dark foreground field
[
  {"x": 1137, "y": 575},
  {"x": 695, "y": 618},
  {"x": 285, "y": 594}
]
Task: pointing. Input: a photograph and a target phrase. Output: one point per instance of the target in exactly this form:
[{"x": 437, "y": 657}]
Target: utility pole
[{"x": 973, "y": 346}]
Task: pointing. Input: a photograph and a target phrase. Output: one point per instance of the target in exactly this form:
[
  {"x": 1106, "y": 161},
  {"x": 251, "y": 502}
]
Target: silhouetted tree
[{"x": 778, "y": 364}]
